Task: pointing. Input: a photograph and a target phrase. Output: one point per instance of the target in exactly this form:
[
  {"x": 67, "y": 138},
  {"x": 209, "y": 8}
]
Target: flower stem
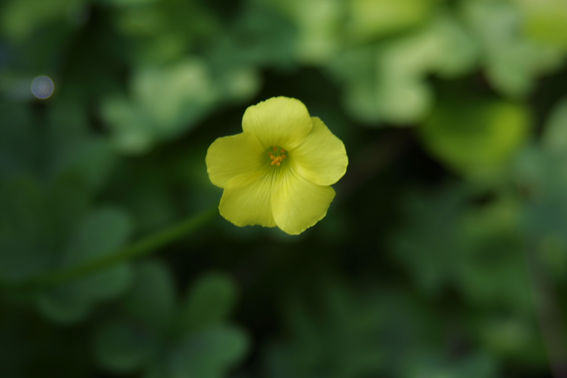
[{"x": 142, "y": 247}]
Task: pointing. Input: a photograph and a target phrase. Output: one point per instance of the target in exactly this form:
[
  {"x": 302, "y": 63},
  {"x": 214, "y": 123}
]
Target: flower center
[{"x": 276, "y": 155}]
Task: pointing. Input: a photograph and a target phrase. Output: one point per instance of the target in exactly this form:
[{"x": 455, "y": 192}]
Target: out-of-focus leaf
[
  {"x": 123, "y": 347},
  {"x": 132, "y": 130},
  {"x": 130, "y": 339},
  {"x": 159, "y": 32},
  {"x": 208, "y": 353},
  {"x": 173, "y": 95},
  {"x": 434, "y": 366},
  {"x": 240, "y": 83},
  {"x": 478, "y": 251},
  {"x": 555, "y": 137},
  {"x": 151, "y": 299},
  {"x": 512, "y": 61},
  {"x": 262, "y": 36},
  {"x": 545, "y": 21},
  {"x": 431, "y": 242},
  {"x": 375, "y": 18},
  {"x": 495, "y": 271},
  {"x": 35, "y": 223},
  {"x": 146, "y": 334},
  {"x": 74, "y": 149},
  {"x": 318, "y": 24},
  {"x": 209, "y": 302},
  {"x": 387, "y": 83},
  {"x": 476, "y": 137},
  {"x": 21, "y": 17},
  {"x": 100, "y": 233},
  {"x": 127, "y": 3},
  {"x": 512, "y": 335},
  {"x": 24, "y": 246},
  {"x": 64, "y": 305},
  {"x": 165, "y": 101},
  {"x": 348, "y": 335},
  {"x": 541, "y": 172},
  {"x": 19, "y": 144}
]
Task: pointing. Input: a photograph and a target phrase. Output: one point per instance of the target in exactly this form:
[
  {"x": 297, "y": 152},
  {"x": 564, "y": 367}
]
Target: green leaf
[
  {"x": 74, "y": 150},
  {"x": 210, "y": 302},
  {"x": 64, "y": 305},
  {"x": 348, "y": 332},
  {"x": 207, "y": 354},
  {"x": 131, "y": 338},
  {"x": 545, "y": 21},
  {"x": 375, "y": 18},
  {"x": 494, "y": 270},
  {"x": 174, "y": 96},
  {"x": 513, "y": 62},
  {"x": 555, "y": 137},
  {"x": 387, "y": 82},
  {"x": 143, "y": 326},
  {"x": 132, "y": 130},
  {"x": 25, "y": 243},
  {"x": 430, "y": 242},
  {"x": 477, "y": 138},
  {"x": 151, "y": 299},
  {"x": 511, "y": 336},
  {"x": 121, "y": 346},
  {"x": 127, "y": 3},
  {"x": 260, "y": 36},
  {"x": 101, "y": 232},
  {"x": 20, "y": 18},
  {"x": 164, "y": 101},
  {"x": 470, "y": 366},
  {"x": 19, "y": 144}
]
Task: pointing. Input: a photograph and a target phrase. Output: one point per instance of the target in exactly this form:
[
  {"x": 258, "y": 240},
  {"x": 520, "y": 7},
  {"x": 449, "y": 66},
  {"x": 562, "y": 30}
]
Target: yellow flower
[{"x": 278, "y": 171}]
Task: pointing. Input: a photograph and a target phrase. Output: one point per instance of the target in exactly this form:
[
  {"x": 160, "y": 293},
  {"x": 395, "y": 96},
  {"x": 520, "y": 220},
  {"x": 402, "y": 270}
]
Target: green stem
[{"x": 142, "y": 247}]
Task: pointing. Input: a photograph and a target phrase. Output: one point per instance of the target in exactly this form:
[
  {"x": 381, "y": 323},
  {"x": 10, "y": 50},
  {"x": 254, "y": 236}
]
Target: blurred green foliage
[{"x": 444, "y": 254}]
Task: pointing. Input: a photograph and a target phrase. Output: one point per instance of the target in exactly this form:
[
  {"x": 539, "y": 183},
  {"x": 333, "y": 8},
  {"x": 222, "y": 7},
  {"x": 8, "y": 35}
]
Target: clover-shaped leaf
[
  {"x": 153, "y": 284},
  {"x": 210, "y": 302},
  {"x": 512, "y": 61},
  {"x": 375, "y": 18},
  {"x": 476, "y": 137},
  {"x": 164, "y": 102},
  {"x": 387, "y": 82},
  {"x": 101, "y": 232},
  {"x": 208, "y": 353},
  {"x": 348, "y": 333},
  {"x": 154, "y": 334},
  {"x": 434, "y": 262},
  {"x": 122, "y": 347},
  {"x": 131, "y": 339}
]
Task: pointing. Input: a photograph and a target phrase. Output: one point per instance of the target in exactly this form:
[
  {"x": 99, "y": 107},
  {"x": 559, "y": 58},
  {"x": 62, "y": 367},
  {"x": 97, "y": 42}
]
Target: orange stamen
[{"x": 277, "y": 156}]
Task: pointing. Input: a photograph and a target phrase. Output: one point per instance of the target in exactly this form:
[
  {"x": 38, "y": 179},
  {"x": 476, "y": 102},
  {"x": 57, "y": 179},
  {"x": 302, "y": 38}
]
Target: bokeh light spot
[{"x": 42, "y": 87}]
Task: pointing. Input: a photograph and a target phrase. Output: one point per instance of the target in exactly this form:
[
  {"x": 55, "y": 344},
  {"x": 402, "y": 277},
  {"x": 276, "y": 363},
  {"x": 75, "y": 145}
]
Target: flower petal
[
  {"x": 298, "y": 204},
  {"x": 249, "y": 204},
  {"x": 278, "y": 121},
  {"x": 321, "y": 158},
  {"x": 234, "y": 159}
]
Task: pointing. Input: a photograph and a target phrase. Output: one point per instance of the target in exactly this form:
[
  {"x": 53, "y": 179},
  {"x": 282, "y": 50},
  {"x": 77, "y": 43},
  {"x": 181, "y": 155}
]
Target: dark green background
[{"x": 443, "y": 255}]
